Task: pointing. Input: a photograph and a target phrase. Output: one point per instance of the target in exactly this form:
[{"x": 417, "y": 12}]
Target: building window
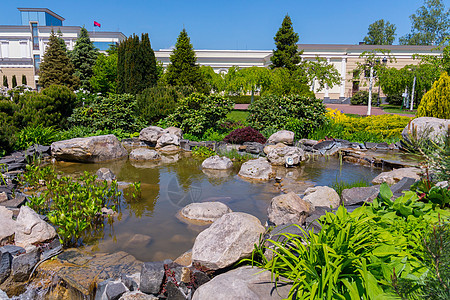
[
  {"x": 34, "y": 35},
  {"x": 37, "y": 62}
]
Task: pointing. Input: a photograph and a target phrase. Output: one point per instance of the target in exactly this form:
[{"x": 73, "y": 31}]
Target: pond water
[{"x": 149, "y": 229}]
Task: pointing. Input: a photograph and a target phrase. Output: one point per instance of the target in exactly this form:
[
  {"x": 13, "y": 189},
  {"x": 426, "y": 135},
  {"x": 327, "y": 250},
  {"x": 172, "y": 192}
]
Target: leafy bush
[
  {"x": 7, "y": 130},
  {"x": 436, "y": 102},
  {"x": 394, "y": 99},
  {"x": 275, "y": 111},
  {"x": 203, "y": 152},
  {"x": 246, "y": 134},
  {"x": 212, "y": 135},
  {"x": 108, "y": 113},
  {"x": 243, "y": 99},
  {"x": 32, "y": 135},
  {"x": 362, "y": 98},
  {"x": 197, "y": 113},
  {"x": 158, "y": 102}
]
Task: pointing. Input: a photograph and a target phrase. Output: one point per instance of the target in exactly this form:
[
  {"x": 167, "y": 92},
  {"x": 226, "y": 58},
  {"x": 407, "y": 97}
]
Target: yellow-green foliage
[
  {"x": 436, "y": 102},
  {"x": 336, "y": 115},
  {"x": 384, "y": 125}
]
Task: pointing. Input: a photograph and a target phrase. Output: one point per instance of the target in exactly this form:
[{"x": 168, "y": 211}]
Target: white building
[{"x": 22, "y": 46}]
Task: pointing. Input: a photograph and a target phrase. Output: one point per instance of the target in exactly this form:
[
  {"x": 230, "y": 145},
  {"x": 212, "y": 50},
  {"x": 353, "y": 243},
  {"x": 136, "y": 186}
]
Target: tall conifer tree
[
  {"x": 183, "y": 69},
  {"x": 83, "y": 58},
  {"x": 56, "y": 67},
  {"x": 287, "y": 54}
]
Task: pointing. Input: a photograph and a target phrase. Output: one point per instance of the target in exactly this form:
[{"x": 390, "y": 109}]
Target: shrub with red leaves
[{"x": 246, "y": 134}]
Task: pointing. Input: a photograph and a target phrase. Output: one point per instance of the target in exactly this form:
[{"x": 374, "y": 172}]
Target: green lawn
[
  {"x": 396, "y": 109},
  {"x": 238, "y": 115}
]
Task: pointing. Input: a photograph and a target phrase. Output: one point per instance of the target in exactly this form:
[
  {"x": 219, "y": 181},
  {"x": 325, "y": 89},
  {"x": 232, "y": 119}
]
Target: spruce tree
[
  {"x": 56, "y": 67},
  {"x": 183, "y": 69},
  {"x": 5, "y": 81},
  {"x": 287, "y": 54},
  {"x": 14, "y": 81},
  {"x": 24, "y": 79},
  {"x": 61, "y": 40},
  {"x": 83, "y": 58}
]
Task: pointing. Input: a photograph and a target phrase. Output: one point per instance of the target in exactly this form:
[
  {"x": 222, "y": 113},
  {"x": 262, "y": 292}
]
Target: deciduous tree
[{"x": 380, "y": 33}]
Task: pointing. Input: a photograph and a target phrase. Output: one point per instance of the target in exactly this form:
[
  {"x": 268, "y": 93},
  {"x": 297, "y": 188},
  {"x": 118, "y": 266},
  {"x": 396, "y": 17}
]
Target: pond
[{"x": 148, "y": 228}]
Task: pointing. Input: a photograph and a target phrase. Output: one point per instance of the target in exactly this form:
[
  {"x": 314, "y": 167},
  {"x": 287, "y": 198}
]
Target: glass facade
[
  {"x": 34, "y": 35},
  {"x": 37, "y": 62},
  {"x": 42, "y": 18}
]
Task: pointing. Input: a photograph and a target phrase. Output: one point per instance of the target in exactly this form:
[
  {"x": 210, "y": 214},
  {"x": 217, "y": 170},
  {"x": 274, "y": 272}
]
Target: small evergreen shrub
[
  {"x": 394, "y": 99},
  {"x": 362, "y": 98},
  {"x": 246, "y": 134},
  {"x": 24, "y": 79},
  {"x": 436, "y": 102},
  {"x": 14, "y": 81},
  {"x": 272, "y": 113},
  {"x": 5, "y": 81}
]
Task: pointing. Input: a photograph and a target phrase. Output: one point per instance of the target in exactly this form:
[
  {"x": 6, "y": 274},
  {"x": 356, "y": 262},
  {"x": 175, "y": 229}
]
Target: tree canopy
[
  {"x": 430, "y": 25},
  {"x": 56, "y": 67},
  {"x": 183, "y": 69},
  {"x": 83, "y": 57},
  {"x": 380, "y": 33},
  {"x": 287, "y": 54}
]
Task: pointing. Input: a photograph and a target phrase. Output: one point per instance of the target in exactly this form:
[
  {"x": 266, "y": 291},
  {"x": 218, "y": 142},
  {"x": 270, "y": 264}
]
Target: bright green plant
[
  {"x": 274, "y": 112},
  {"x": 197, "y": 113},
  {"x": 235, "y": 155},
  {"x": 203, "y": 152},
  {"x": 340, "y": 185},
  {"x": 362, "y": 98},
  {"x": 35, "y": 135},
  {"x": 436, "y": 102}
]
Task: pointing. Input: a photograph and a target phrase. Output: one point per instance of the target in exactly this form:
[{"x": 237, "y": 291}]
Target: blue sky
[{"x": 232, "y": 24}]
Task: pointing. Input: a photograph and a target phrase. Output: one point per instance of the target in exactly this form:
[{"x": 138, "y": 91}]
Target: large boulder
[
  {"x": 7, "y": 225},
  {"x": 242, "y": 283},
  {"x": 426, "y": 128},
  {"x": 167, "y": 139},
  {"x": 144, "y": 154},
  {"x": 288, "y": 208},
  {"x": 396, "y": 175},
  {"x": 90, "y": 149},
  {"x": 282, "y": 136},
  {"x": 269, "y": 148},
  {"x": 322, "y": 196},
  {"x": 359, "y": 195},
  {"x": 278, "y": 156},
  {"x": 30, "y": 228},
  {"x": 175, "y": 131},
  {"x": 217, "y": 163},
  {"x": 227, "y": 240},
  {"x": 205, "y": 211},
  {"x": 151, "y": 134},
  {"x": 258, "y": 169}
]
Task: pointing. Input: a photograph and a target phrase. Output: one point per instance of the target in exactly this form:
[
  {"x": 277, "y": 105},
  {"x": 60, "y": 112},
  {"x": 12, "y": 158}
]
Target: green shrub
[
  {"x": 203, "y": 152},
  {"x": 362, "y": 98},
  {"x": 197, "y": 113},
  {"x": 32, "y": 135},
  {"x": 158, "y": 102},
  {"x": 436, "y": 102},
  {"x": 108, "y": 113},
  {"x": 7, "y": 130},
  {"x": 394, "y": 99},
  {"x": 274, "y": 112}
]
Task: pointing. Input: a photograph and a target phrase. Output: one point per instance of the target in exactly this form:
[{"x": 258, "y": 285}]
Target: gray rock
[
  {"x": 100, "y": 293},
  {"x": 403, "y": 185},
  {"x": 359, "y": 195},
  {"x": 254, "y": 147},
  {"x": 23, "y": 264},
  {"x": 115, "y": 290},
  {"x": 205, "y": 211},
  {"x": 138, "y": 241},
  {"x": 169, "y": 149},
  {"x": 7, "y": 225},
  {"x": 137, "y": 295},
  {"x": 131, "y": 281},
  {"x": 151, "y": 134},
  {"x": 217, "y": 163},
  {"x": 324, "y": 145},
  {"x": 105, "y": 174},
  {"x": 174, "y": 292},
  {"x": 5, "y": 264},
  {"x": 425, "y": 128},
  {"x": 396, "y": 175},
  {"x": 322, "y": 196},
  {"x": 30, "y": 228},
  {"x": 269, "y": 148},
  {"x": 89, "y": 149},
  {"x": 152, "y": 276},
  {"x": 13, "y": 249},
  {"x": 167, "y": 139},
  {"x": 3, "y": 195},
  {"x": 227, "y": 240},
  {"x": 370, "y": 145},
  {"x": 244, "y": 283},
  {"x": 3, "y": 295},
  {"x": 278, "y": 156},
  {"x": 288, "y": 208},
  {"x": 258, "y": 169},
  {"x": 382, "y": 146},
  {"x": 282, "y": 136},
  {"x": 144, "y": 154},
  {"x": 175, "y": 131}
]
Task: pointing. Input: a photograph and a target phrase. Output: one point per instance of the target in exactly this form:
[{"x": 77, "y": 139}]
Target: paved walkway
[{"x": 345, "y": 108}]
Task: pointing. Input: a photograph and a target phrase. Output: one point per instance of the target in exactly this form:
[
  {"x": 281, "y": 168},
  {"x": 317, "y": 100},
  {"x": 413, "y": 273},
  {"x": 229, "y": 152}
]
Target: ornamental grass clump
[{"x": 246, "y": 134}]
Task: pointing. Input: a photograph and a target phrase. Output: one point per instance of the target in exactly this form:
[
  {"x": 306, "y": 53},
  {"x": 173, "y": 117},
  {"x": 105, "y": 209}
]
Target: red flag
[{"x": 97, "y": 24}]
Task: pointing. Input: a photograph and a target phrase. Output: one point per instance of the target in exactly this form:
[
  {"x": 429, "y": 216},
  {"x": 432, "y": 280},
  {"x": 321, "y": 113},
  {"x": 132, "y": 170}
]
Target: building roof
[
  {"x": 46, "y": 10},
  {"x": 345, "y": 48}
]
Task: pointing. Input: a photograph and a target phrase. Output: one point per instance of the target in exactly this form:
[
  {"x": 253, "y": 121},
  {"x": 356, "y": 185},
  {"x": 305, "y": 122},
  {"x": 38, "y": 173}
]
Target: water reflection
[{"x": 148, "y": 227}]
